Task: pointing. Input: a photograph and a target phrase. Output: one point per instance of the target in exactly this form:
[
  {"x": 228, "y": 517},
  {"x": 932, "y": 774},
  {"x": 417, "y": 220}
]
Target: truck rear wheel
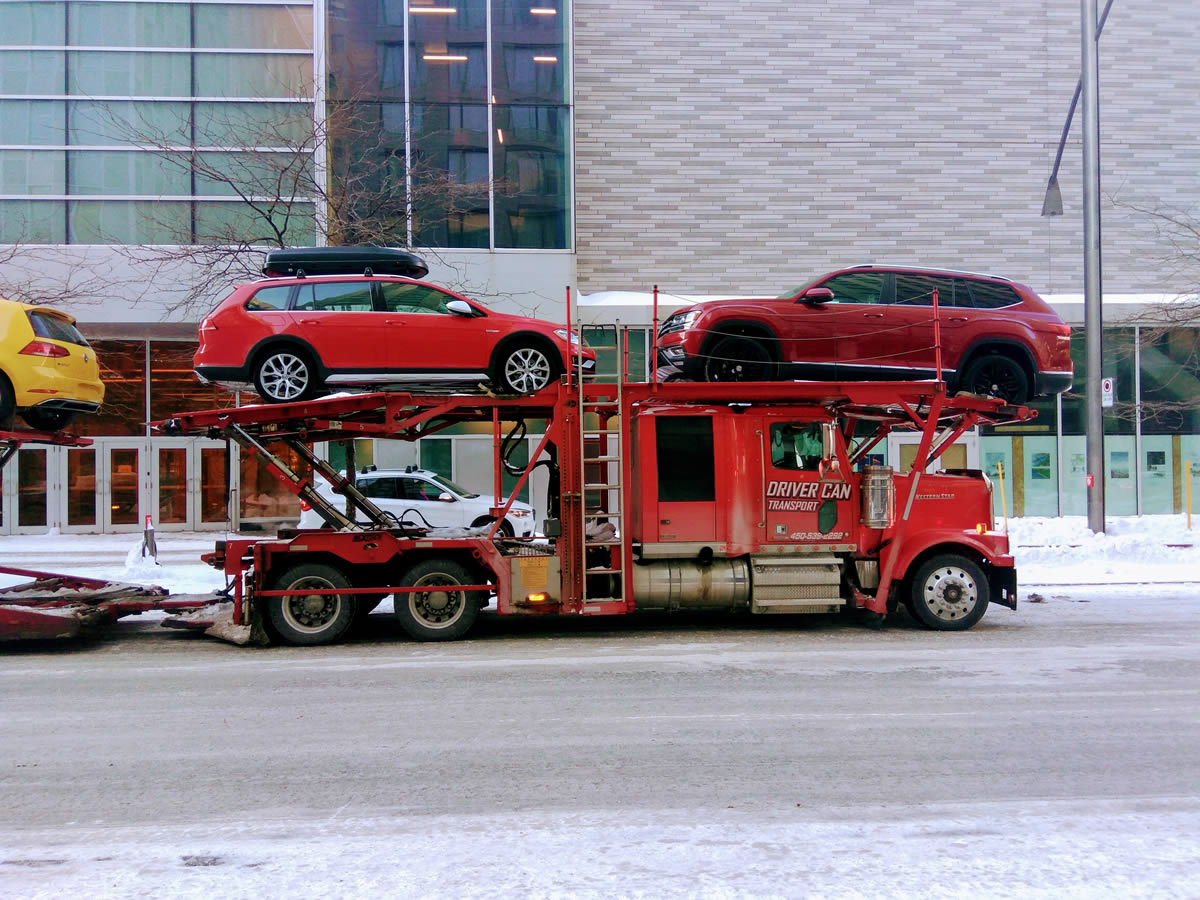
[
  {"x": 949, "y": 593},
  {"x": 438, "y": 612},
  {"x": 315, "y": 618}
]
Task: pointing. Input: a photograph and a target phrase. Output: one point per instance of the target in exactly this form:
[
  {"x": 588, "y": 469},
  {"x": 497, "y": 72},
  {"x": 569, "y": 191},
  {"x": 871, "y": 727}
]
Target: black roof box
[{"x": 362, "y": 259}]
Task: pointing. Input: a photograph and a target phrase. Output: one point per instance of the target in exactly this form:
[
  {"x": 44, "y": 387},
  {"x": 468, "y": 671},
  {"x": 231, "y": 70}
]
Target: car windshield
[
  {"x": 453, "y": 488},
  {"x": 804, "y": 287},
  {"x": 56, "y": 328}
]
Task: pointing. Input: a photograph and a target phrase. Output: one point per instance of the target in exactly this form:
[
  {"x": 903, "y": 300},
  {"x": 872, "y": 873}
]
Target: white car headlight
[{"x": 520, "y": 513}]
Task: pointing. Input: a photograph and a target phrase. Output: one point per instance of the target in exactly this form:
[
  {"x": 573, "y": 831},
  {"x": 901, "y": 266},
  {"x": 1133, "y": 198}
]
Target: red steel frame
[{"x": 921, "y": 406}]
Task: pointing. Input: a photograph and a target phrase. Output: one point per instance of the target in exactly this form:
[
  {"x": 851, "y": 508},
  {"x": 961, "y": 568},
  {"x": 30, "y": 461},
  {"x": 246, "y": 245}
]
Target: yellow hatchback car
[{"x": 48, "y": 372}]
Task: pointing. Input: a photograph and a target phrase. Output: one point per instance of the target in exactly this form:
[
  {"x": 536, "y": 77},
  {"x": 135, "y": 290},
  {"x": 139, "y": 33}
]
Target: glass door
[
  {"x": 215, "y": 489},
  {"x": 190, "y": 484},
  {"x": 123, "y": 499},
  {"x": 79, "y": 496},
  {"x": 30, "y": 473}
]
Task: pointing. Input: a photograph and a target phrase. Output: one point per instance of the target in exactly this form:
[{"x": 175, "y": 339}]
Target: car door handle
[
  {"x": 872, "y": 315},
  {"x": 310, "y": 321},
  {"x": 394, "y": 322},
  {"x": 957, "y": 319}
]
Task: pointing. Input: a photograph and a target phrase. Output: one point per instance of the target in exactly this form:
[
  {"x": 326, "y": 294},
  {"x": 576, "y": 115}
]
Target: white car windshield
[{"x": 453, "y": 488}]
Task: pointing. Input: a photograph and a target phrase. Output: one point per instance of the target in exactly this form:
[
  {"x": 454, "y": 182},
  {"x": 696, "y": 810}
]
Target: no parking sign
[{"x": 1106, "y": 392}]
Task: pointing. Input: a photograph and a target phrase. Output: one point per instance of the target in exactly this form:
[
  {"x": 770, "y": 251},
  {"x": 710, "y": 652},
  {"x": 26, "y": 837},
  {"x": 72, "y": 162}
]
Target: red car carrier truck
[{"x": 736, "y": 496}]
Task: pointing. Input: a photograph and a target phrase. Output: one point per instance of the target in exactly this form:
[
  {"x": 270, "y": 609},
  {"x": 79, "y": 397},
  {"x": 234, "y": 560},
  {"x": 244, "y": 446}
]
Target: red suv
[
  {"x": 293, "y": 337},
  {"x": 876, "y": 323}
]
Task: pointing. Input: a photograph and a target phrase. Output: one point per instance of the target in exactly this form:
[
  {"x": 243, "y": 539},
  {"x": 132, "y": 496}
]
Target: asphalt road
[{"x": 1089, "y": 700}]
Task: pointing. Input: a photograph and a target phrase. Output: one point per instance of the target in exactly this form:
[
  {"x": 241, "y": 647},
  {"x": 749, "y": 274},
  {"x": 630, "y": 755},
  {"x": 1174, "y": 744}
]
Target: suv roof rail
[
  {"x": 910, "y": 268},
  {"x": 361, "y": 259}
]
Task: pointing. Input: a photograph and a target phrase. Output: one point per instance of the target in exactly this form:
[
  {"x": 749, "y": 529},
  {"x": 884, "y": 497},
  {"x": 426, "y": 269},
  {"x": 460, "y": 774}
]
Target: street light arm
[{"x": 1052, "y": 205}]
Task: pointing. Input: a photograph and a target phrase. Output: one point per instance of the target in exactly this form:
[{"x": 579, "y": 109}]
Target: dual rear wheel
[{"x": 439, "y": 611}]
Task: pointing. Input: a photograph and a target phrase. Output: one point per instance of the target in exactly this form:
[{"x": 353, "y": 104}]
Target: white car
[{"x": 419, "y": 497}]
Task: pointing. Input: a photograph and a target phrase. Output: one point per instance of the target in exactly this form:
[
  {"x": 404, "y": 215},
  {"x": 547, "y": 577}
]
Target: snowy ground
[
  {"x": 1049, "y": 552},
  {"x": 1044, "y": 848}
]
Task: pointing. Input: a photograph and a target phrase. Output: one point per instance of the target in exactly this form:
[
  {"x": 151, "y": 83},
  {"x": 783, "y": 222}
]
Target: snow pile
[{"x": 1132, "y": 550}]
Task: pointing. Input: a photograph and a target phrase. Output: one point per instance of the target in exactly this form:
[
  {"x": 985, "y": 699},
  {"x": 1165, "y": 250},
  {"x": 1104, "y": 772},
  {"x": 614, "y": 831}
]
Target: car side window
[
  {"x": 992, "y": 295},
  {"x": 917, "y": 290},
  {"x": 378, "y": 488},
  {"x": 419, "y": 489},
  {"x": 334, "y": 296},
  {"x": 275, "y": 297},
  {"x": 856, "y": 287},
  {"x": 413, "y": 299}
]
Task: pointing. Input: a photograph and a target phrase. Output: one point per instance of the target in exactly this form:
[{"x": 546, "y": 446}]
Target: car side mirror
[
  {"x": 460, "y": 307},
  {"x": 817, "y": 296},
  {"x": 446, "y": 497}
]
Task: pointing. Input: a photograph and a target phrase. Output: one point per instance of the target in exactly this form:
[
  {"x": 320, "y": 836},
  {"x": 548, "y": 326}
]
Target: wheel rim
[
  {"x": 738, "y": 361},
  {"x": 437, "y": 608},
  {"x": 998, "y": 379},
  {"x": 311, "y": 613},
  {"x": 283, "y": 376},
  {"x": 527, "y": 370},
  {"x": 950, "y": 593}
]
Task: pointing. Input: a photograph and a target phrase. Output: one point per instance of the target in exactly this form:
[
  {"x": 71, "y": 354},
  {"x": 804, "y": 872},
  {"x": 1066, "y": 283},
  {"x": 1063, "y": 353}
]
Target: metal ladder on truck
[{"x": 606, "y": 554}]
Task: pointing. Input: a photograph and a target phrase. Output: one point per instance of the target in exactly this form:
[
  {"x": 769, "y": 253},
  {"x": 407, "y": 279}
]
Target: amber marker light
[{"x": 537, "y": 598}]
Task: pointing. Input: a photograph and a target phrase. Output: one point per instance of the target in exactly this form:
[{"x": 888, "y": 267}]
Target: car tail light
[
  {"x": 304, "y": 507},
  {"x": 44, "y": 348}
]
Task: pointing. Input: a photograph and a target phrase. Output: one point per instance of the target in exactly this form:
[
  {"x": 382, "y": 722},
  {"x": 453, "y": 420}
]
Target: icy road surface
[{"x": 1049, "y": 752}]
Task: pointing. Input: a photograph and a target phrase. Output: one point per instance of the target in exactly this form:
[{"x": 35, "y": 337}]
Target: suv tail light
[{"x": 44, "y": 348}]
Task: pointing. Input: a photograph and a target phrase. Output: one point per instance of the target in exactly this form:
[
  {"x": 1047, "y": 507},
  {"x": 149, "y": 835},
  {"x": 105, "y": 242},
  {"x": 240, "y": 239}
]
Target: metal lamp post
[{"x": 1088, "y": 87}]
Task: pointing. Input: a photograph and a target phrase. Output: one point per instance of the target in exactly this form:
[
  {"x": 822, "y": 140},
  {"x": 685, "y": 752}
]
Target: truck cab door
[{"x": 801, "y": 506}]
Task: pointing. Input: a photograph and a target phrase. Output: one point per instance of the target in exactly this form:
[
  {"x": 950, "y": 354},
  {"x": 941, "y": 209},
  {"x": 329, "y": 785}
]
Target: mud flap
[{"x": 1002, "y": 584}]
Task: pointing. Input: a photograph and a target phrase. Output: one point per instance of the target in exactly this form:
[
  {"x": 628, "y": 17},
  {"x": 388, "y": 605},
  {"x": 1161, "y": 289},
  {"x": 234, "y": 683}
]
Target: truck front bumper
[{"x": 1002, "y": 584}]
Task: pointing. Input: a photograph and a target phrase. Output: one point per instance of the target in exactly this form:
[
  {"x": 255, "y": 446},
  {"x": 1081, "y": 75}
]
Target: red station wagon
[
  {"x": 293, "y": 337},
  {"x": 871, "y": 322}
]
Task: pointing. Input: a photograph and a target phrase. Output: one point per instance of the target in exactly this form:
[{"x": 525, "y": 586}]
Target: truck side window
[
  {"x": 686, "y": 469},
  {"x": 796, "y": 446}
]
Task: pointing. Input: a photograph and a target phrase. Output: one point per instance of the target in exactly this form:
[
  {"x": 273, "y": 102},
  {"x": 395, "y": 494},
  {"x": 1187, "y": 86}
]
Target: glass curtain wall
[
  {"x": 450, "y": 122},
  {"x": 152, "y": 123},
  {"x": 1151, "y": 432}
]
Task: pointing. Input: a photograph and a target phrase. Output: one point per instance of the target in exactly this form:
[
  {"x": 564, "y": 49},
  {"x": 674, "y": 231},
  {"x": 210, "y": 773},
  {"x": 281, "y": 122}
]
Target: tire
[
  {"x": 525, "y": 369},
  {"x": 994, "y": 375},
  {"x": 738, "y": 358},
  {"x": 284, "y": 375},
  {"x": 313, "y": 619},
  {"x": 949, "y": 593},
  {"x": 438, "y": 615},
  {"x": 8, "y": 403},
  {"x": 47, "y": 419},
  {"x": 505, "y": 530}
]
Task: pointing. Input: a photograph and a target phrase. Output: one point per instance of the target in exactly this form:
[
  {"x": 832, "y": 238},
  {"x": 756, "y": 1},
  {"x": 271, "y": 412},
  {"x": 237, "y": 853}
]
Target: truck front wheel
[
  {"x": 438, "y": 612},
  {"x": 316, "y": 618},
  {"x": 948, "y": 593}
]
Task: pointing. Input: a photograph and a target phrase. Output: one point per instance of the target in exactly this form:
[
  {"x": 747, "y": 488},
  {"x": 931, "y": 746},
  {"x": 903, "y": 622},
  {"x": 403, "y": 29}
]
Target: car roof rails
[{"x": 361, "y": 259}]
